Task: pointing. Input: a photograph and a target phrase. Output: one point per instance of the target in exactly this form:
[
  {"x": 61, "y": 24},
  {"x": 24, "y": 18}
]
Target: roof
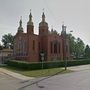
[{"x": 7, "y": 50}]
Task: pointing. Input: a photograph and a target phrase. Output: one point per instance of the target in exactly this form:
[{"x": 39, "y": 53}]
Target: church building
[{"x": 47, "y": 45}]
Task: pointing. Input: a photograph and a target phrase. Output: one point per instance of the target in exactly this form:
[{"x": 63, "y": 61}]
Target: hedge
[{"x": 38, "y": 65}]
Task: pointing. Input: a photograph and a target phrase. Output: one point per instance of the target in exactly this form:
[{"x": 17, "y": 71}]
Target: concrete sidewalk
[
  {"x": 15, "y": 75},
  {"x": 79, "y": 68}
]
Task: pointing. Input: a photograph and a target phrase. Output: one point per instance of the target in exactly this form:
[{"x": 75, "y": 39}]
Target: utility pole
[
  {"x": 65, "y": 51},
  {"x": 64, "y": 35}
]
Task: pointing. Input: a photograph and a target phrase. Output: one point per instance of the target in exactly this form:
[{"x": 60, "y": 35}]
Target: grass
[{"x": 39, "y": 73}]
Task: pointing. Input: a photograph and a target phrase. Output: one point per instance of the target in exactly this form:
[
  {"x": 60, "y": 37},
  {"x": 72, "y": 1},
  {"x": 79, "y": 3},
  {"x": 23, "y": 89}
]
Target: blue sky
[{"x": 74, "y": 13}]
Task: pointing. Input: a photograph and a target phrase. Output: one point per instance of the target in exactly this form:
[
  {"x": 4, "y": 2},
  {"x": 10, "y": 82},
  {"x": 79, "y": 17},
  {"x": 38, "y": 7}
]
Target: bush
[{"x": 38, "y": 65}]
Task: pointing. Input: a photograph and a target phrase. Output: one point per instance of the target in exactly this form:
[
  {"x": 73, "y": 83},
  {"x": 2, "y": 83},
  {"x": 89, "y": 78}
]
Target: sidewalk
[
  {"x": 80, "y": 68},
  {"x": 15, "y": 75}
]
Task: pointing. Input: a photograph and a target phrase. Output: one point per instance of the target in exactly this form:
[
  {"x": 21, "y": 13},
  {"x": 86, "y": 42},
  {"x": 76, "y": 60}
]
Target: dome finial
[
  {"x": 30, "y": 16},
  {"x": 30, "y": 10},
  {"x": 63, "y": 26},
  {"x": 43, "y": 10},
  {"x": 63, "y": 23},
  {"x": 20, "y": 17}
]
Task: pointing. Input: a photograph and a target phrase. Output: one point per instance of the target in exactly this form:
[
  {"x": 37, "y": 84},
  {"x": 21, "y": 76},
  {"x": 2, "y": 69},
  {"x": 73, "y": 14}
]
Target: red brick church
[{"x": 49, "y": 44}]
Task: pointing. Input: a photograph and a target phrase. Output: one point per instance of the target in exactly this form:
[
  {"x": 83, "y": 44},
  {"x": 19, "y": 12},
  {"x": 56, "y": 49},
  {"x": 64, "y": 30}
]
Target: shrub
[{"x": 38, "y": 65}]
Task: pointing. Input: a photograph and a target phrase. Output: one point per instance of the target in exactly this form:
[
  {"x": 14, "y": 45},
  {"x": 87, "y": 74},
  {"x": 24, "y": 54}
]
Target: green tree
[
  {"x": 87, "y": 51},
  {"x": 80, "y": 47},
  {"x": 7, "y": 40},
  {"x": 72, "y": 43},
  {"x": 76, "y": 46}
]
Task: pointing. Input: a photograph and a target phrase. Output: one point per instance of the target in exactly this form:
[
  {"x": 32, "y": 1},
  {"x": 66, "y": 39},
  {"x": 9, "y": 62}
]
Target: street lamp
[
  {"x": 65, "y": 52},
  {"x": 64, "y": 39},
  {"x": 65, "y": 47},
  {"x": 71, "y": 53}
]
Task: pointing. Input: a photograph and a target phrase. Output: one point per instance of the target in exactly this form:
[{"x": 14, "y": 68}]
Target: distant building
[
  {"x": 30, "y": 47},
  {"x": 4, "y": 54}
]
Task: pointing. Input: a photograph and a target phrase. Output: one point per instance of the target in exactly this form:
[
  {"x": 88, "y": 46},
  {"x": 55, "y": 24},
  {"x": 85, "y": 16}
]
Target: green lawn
[{"x": 39, "y": 73}]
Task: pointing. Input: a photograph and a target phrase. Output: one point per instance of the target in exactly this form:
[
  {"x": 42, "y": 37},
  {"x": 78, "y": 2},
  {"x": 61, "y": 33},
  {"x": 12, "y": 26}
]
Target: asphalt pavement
[{"x": 78, "y": 80}]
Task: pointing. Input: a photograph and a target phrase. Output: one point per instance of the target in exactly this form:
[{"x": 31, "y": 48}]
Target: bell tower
[
  {"x": 63, "y": 33},
  {"x": 30, "y": 25}
]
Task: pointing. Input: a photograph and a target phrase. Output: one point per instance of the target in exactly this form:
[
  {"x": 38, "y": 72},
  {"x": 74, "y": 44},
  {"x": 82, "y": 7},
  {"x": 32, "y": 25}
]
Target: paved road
[
  {"x": 80, "y": 68},
  {"x": 72, "y": 81},
  {"x": 79, "y": 80}
]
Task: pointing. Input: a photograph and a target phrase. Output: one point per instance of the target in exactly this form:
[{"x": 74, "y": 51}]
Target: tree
[
  {"x": 76, "y": 46},
  {"x": 72, "y": 43},
  {"x": 80, "y": 47},
  {"x": 7, "y": 40},
  {"x": 87, "y": 51}
]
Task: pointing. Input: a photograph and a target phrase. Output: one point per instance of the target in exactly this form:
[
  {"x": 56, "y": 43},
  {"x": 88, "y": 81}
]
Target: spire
[
  {"x": 43, "y": 22},
  {"x": 43, "y": 16},
  {"x": 62, "y": 23},
  {"x": 20, "y": 22},
  {"x": 63, "y": 26},
  {"x": 63, "y": 29},
  {"x": 52, "y": 29},
  {"x": 20, "y": 28},
  {"x": 30, "y": 16},
  {"x": 30, "y": 19}
]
